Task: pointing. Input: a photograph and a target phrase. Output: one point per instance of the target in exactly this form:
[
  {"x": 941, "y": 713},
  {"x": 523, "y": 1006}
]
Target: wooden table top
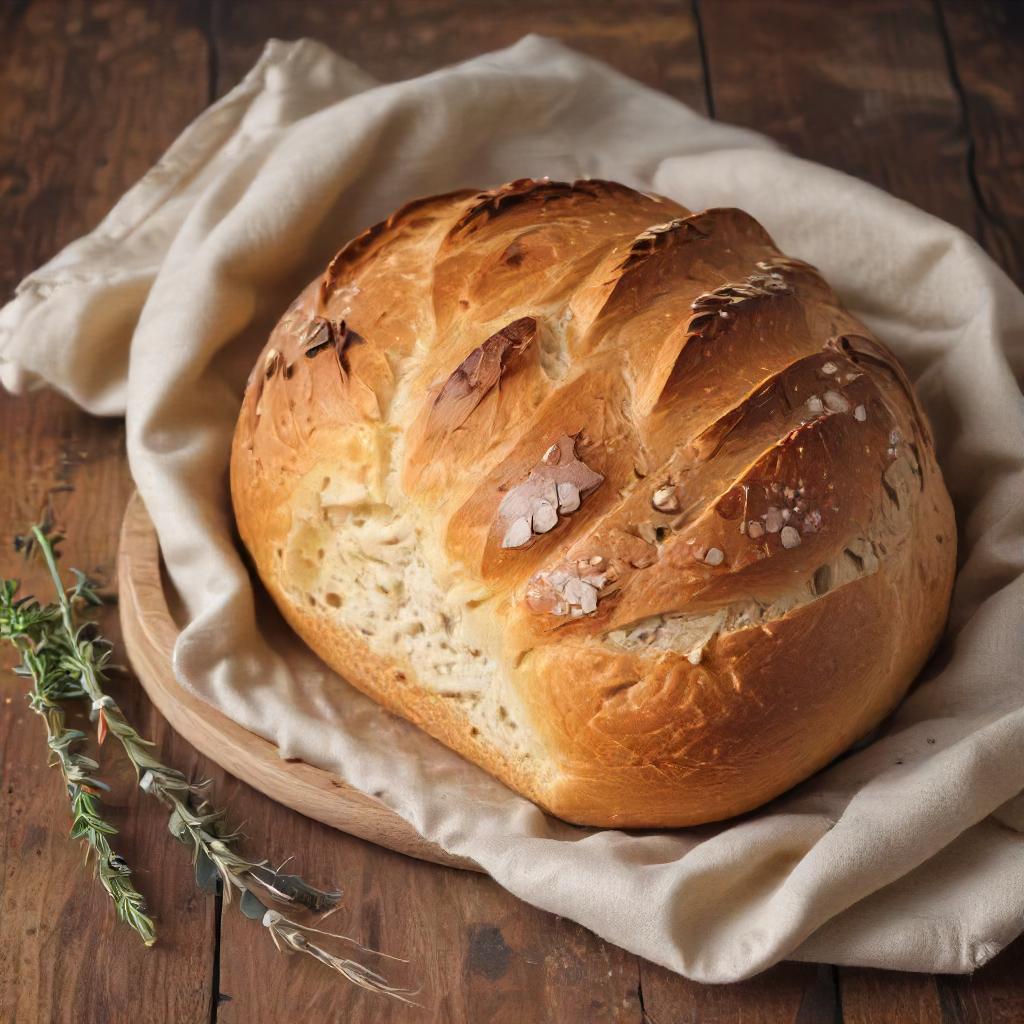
[{"x": 925, "y": 99}]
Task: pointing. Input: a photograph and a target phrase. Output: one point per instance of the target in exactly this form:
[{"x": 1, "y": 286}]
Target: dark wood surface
[{"x": 925, "y": 99}]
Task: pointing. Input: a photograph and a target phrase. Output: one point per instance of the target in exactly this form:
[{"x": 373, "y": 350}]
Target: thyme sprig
[
  {"x": 85, "y": 658},
  {"x": 29, "y": 627},
  {"x": 82, "y": 658}
]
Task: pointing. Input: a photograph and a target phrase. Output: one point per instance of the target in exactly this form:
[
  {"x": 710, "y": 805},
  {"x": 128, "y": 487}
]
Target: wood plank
[
  {"x": 65, "y": 957},
  {"x": 844, "y": 85},
  {"x": 478, "y": 953},
  {"x": 92, "y": 94},
  {"x": 984, "y": 44},
  {"x": 861, "y": 87},
  {"x": 908, "y": 998},
  {"x": 866, "y": 88},
  {"x": 788, "y": 993},
  {"x": 993, "y": 995},
  {"x": 654, "y": 41}
]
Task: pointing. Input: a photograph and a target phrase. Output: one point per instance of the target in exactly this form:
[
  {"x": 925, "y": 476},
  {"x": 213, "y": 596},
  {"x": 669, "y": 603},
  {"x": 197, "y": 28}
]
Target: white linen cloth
[{"x": 908, "y": 853}]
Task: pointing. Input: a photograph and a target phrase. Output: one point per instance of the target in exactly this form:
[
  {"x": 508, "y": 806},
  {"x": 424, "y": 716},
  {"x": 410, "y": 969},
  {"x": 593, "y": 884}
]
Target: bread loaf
[{"x": 613, "y": 498}]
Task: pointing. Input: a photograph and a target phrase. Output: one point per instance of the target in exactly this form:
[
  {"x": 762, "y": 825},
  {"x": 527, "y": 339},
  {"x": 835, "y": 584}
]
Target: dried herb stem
[
  {"x": 290, "y": 937},
  {"x": 192, "y": 821},
  {"x": 29, "y": 628},
  {"x": 194, "y": 824}
]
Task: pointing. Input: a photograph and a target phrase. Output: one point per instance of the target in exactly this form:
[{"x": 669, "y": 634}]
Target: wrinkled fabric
[{"x": 907, "y": 853}]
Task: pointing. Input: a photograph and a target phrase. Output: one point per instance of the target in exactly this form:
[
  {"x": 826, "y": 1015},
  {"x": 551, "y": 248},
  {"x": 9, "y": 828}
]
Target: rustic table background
[{"x": 924, "y": 99}]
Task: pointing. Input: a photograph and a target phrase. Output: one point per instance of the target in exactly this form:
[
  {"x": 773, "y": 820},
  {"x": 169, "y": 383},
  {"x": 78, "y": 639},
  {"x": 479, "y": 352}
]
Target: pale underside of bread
[{"x": 614, "y": 499}]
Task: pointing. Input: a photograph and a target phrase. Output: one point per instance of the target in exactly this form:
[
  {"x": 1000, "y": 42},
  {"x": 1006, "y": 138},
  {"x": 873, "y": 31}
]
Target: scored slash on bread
[{"x": 613, "y": 498}]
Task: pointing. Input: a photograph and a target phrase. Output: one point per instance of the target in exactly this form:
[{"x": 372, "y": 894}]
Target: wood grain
[
  {"x": 654, "y": 41},
  {"x": 925, "y": 100},
  {"x": 994, "y": 995},
  {"x": 863, "y": 87},
  {"x": 846, "y": 85},
  {"x": 481, "y": 955},
  {"x": 904, "y": 997},
  {"x": 150, "y": 635},
  {"x": 63, "y": 956},
  {"x": 478, "y": 953},
  {"x": 984, "y": 42},
  {"x": 92, "y": 93},
  {"x": 788, "y": 993}
]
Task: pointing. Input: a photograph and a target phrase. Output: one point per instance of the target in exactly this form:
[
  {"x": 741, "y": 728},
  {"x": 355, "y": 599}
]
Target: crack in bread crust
[{"x": 690, "y": 634}]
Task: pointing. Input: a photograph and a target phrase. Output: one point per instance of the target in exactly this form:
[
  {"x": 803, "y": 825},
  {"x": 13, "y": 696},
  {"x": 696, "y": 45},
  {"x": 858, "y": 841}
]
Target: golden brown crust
[{"x": 614, "y": 499}]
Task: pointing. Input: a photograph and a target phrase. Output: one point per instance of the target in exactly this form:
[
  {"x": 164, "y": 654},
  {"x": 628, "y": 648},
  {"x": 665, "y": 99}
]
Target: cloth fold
[{"x": 906, "y": 853}]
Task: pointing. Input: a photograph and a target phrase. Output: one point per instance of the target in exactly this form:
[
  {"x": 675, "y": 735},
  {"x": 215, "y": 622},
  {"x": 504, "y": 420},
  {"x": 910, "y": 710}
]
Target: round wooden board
[{"x": 150, "y": 634}]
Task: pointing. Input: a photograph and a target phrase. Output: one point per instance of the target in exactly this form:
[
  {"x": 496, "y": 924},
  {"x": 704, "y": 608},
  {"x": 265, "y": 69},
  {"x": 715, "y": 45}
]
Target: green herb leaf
[
  {"x": 294, "y": 889},
  {"x": 207, "y": 874},
  {"x": 36, "y": 632},
  {"x": 250, "y": 905},
  {"x": 67, "y": 659}
]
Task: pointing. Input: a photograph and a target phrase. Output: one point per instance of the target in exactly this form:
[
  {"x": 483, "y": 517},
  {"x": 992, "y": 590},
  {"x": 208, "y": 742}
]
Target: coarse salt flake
[{"x": 835, "y": 402}]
